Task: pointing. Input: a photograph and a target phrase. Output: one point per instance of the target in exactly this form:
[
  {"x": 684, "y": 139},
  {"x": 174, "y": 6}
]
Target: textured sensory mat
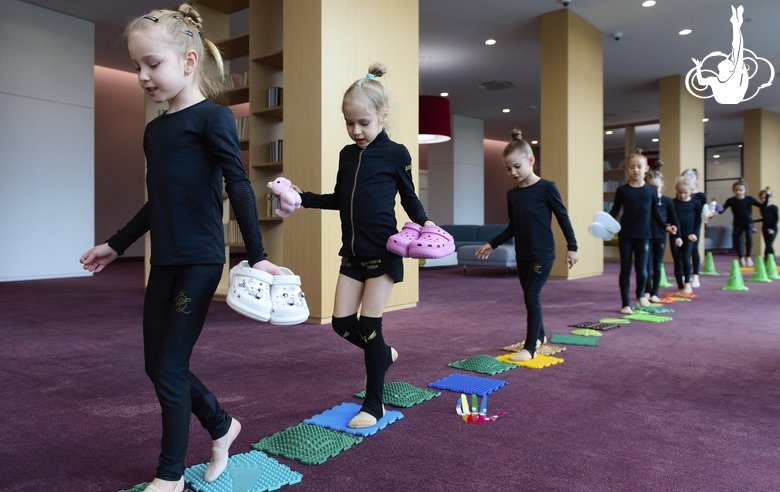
[
  {"x": 584, "y": 324},
  {"x": 403, "y": 395},
  {"x": 538, "y": 362},
  {"x": 586, "y": 332},
  {"x": 667, "y": 300},
  {"x": 546, "y": 349},
  {"x": 615, "y": 321},
  {"x": 483, "y": 364},
  {"x": 339, "y": 416},
  {"x": 471, "y": 385},
  {"x": 575, "y": 340},
  {"x": 309, "y": 444},
  {"x": 141, "y": 486},
  {"x": 603, "y": 327},
  {"x": 650, "y": 318},
  {"x": 653, "y": 309},
  {"x": 248, "y": 472}
]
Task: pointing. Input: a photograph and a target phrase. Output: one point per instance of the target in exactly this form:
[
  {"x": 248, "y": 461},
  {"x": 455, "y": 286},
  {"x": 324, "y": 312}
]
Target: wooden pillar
[
  {"x": 322, "y": 57},
  {"x": 572, "y": 120},
  {"x": 681, "y": 137},
  {"x": 761, "y": 158}
]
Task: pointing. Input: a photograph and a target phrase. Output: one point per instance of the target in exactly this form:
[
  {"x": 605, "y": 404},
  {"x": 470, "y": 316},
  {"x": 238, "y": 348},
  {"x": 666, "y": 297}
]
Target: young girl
[
  {"x": 768, "y": 221},
  {"x": 688, "y": 213},
  {"x": 657, "y": 246},
  {"x": 742, "y": 225},
  {"x": 638, "y": 201},
  {"x": 693, "y": 178},
  {"x": 531, "y": 204},
  {"x": 371, "y": 172},
  {"x": 189, "y": 150}
]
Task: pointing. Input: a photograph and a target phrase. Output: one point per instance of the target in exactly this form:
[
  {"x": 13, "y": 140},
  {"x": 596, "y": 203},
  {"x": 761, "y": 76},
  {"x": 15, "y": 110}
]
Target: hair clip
[
  {"x": 202, "y": 36},
  {"x": 179, "y": 18},
  {"x": 154, "y": 19},
  {"x": 187, "y": 32}
]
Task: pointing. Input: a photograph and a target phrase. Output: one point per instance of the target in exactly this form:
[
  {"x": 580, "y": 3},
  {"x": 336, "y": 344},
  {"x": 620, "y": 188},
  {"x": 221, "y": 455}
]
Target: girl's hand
[
  {"x": 483, "y": 252},
  {"x": 571, "y": 258},
  {"x": 678, "y": 242},
  {"x": 671, "y": 229},
  {"x": 97, "y": 258},
  {"x": 268, "y": 267},
  {"x": 298, "y": 190},
  {"x": 771, "y": 232},
  {"x": 692, "y": 238}
]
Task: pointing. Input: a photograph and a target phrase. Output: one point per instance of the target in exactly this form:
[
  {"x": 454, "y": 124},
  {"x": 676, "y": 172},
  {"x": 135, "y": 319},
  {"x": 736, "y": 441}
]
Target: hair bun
[
  {"x": 192, "y": 15},
  {"x": 657, "y": 165},
  {"x": 377, "y": 70},
  {"x": 517, "y": 134},
  {"x": 638, "y": 151}
]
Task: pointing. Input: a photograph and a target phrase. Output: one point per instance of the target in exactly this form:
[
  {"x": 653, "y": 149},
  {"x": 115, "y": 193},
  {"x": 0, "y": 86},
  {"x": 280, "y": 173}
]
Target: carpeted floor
[{"x": 688, "y": 405}]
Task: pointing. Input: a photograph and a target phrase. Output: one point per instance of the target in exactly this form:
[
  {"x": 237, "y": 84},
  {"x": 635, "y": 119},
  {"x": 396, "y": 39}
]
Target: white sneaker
[
  {"x": 695, "y": 282},
  {"x": 288, "y": 300},
  {"x": 250, "y": 291}
]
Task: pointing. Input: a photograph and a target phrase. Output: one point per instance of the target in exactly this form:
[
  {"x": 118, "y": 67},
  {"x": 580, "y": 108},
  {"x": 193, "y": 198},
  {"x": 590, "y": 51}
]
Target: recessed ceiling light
[
  {"x": 490, "y": 42},
  {"x": 648, "y": 3},
  {"x": 655, "y": 140},
  {"x": 705, "y": 120},
  {"x": 534, "y": 142},
  {"x": 685, "y": 32},
  {"x": 608, "y": 132},
  {"x": 506, "y": 110},
  {"x": 740, "y": 146},
  {"x": 716, "y": 156},
  {"x": 444, "y": 94}
]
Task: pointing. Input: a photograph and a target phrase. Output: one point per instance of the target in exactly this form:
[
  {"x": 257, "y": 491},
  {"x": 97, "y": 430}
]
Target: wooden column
[
  {"x": 761, "y": 158},
  {"x": 572, "y": 104}
]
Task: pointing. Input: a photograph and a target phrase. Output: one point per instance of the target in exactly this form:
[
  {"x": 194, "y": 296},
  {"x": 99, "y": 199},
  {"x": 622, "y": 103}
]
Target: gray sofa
[
  {"x": 469, "y": 238},
  {"x": 718, "y": 238}
]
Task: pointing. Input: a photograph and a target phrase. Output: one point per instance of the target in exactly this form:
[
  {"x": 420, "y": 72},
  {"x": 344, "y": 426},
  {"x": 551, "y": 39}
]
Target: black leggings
[
  {"x": 769, "y": 248},
  {"x": 655, "y": 258},
  {"x": 695, "y": 258},
  {"x": 533, "y": 275},
  {"x": 175, "y": 306},
  {"x": 682, "y": 262},
  {"x": 736, "y": 236},
  {"x": 639, "y": 248}
]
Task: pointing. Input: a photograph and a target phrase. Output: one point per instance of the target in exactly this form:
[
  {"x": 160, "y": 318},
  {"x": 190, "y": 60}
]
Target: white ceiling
[{"x": 454, "y": 58}]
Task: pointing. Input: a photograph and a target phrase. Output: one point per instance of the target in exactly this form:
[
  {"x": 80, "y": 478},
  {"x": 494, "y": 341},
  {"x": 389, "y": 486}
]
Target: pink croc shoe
[
  {"x": 399, "y": 243},
  {"x": 434, "y": 242}
]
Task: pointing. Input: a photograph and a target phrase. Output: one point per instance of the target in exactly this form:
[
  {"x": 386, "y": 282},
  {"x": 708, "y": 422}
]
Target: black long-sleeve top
[
  {"x": 769, "y": 218},
  {"x": 366, "y": 184},
  {"x": 689, "y": 217},
  {"x": 666, "y": 210},
  {"x": 743, "y": 214},
  {"x": 639, "y": 208},
  {"x": 188, "y": 153},
  {"x": 530, "y": 218}
]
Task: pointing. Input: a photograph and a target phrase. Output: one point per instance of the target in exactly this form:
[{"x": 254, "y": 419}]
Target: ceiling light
[
  {"x": 490, "y": 42},
  {"x": 705, "y": 120},
  {"x": 716, "y": 156},
  {"x": 444, "y": 94},
  {"x": 648, "y": 3},
  {"x": 534, "y": 142},
  {"x": 434, "y": 120},
  {"x": 505, "y": 110},
  {"x": 608, "y": 132},
  {"x": 685, "y": 32},
  {"x": 655, "y": 140},
  {"x": 740, "y": 146}
]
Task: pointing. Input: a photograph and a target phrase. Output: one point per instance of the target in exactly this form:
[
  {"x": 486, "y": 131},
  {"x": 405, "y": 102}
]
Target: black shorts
[{"x": 362, "y": 269}]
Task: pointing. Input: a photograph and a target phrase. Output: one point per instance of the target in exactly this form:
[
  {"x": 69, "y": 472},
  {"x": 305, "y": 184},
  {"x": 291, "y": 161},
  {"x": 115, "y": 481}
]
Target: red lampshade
[{"x": 434, "y": 120}]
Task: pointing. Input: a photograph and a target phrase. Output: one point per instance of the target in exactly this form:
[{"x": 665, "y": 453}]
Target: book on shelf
[
  {"x": 273, "y": 205},
  {"x": 610, "y": 186},
  {"x": 242, "y": 127},
  {"x": 233, "y": 233},
  {"x": 274, "y": 97},
  {"x": 607, "y": 166},
  {"x": 275, "y": 151},
  {"x": 233, "y": 80}
]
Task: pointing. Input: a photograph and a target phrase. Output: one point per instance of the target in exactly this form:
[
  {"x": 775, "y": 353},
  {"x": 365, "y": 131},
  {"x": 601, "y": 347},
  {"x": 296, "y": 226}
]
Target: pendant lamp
[{"x": 434, "y": 120}]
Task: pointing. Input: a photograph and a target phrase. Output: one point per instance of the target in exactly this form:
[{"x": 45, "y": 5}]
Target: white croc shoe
[
  {"x": 250, "y": 291},
  {"x": 600, "y": 232},
  {"x": 610, "y": 224},
  {"x": 287, "y": 300}
]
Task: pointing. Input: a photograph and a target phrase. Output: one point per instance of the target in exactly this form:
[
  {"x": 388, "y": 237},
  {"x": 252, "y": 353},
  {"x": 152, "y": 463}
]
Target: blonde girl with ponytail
[{"x": 189, "y": 151}]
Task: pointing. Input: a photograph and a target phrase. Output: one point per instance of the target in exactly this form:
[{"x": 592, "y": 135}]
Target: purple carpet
[{"x": 688, "y": 405}]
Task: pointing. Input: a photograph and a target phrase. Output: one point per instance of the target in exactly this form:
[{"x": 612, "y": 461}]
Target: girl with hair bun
[
  {"x": 637, "y": 200},
  {"x": 531, "y": 205},
  {"x": 189, "y": 150},
  {"x": 742, "y": 227},
  {"x": 657, "y": 245},
  {"x": 693, "y": 178},
  {"x": 371, "y": 172}
]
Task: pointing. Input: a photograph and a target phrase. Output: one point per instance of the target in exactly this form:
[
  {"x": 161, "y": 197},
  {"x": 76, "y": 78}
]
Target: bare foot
[
  {"x": 643, "y": 301},
  {"x": 687, "y": 289},
  {"x": 626, "y": 310},
  {"x": 655, "y": 299},
  {"x": 749, "y": 261},
  {"x": 521, "y": 356},
  {"x": 743, "y": 262},
  {"x": 363, "y": 420}
]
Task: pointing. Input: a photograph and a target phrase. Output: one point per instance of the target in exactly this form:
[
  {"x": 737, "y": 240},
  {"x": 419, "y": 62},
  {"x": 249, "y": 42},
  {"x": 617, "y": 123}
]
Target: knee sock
[
  {"x": 376, "y": 355},
  {"x": 347, "y": 328}
]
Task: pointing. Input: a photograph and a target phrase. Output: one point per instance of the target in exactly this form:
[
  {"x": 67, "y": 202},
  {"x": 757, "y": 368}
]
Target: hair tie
[{"x": 370, "y": 76}]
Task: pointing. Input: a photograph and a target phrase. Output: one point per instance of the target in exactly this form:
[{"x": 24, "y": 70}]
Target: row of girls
[{"x": 648, "y": 215}]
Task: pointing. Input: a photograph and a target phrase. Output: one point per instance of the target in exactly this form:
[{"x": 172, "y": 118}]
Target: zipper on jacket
[{"x": 352, "y": 203}]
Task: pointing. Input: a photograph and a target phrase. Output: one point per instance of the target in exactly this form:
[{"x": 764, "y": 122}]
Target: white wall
[{"x": 47, "y": 115}]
